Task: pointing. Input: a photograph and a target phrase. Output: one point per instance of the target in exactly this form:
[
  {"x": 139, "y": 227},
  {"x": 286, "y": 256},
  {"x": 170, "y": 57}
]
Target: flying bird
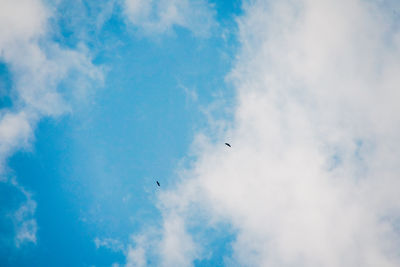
[
  {"x": 158, "y": 183},
  {"x": 228, "y": 144}
]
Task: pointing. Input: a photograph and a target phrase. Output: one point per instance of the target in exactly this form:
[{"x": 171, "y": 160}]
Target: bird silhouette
[
  {"x": 158, "y": 183},
  {"x": 228, "y": 144}
]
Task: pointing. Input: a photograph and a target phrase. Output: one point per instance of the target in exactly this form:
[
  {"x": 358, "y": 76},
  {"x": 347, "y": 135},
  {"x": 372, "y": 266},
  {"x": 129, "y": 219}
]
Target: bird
[
  {"x": 228, "y": 144},
  {"x": 158, "y": 183}
]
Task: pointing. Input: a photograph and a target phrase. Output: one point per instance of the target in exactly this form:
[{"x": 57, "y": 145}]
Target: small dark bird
[
  {"x": 228, "y": 144},
  {"x": 158, "y": 183}
]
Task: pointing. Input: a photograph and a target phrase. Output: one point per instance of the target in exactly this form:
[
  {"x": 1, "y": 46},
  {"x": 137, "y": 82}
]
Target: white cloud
[
  {"x": 136, "y": 256},
  {"x": 160, "y": 16},
  {"x": 113, "y": 244},
  {"x": 24, "y": 221},
  {"x": 177, "y": 247},
  {"x": 37, "y": 66},
  {"x": 21, "y": 20},
  {"x": 190, "y": 93},
  {"x": 15, "y": 130},
  {"x": 173, "y": 246},
  {"x": 312, "y": 178}
]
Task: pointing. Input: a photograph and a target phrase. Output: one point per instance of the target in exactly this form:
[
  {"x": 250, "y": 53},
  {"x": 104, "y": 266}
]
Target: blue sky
[
  {"x": 92, "y": 171},
  {"x": 100, "y": 100}
]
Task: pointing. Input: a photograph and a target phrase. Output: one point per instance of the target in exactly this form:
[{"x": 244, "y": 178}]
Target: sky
[{"x": 101, "y": 99}]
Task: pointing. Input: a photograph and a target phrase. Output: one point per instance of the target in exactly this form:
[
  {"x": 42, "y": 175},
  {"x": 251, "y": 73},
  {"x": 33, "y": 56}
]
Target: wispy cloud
[
  {"x": 190, "y": 93},
  {"x": 110, "y": 243},
  {"x": 24, "y": 220},
  {"x": 160, "y": 16},
  {"x": 37, "y": 66},
  {"x": 312, "y": 175}
]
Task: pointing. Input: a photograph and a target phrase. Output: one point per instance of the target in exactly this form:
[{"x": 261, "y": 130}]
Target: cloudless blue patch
[
  {"x": 227, "y": 10},
  {"x": 5, "y": 86}
]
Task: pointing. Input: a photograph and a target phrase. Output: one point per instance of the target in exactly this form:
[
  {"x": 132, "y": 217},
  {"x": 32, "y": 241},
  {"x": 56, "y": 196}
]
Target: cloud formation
[
  {"x": 24, "y": 221},
  {"x": 38, "y": 65},
  {"x": 110, "y": 243},
  {"x": 160, "y": 16},
  {"x": 312, "y": 178}
]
